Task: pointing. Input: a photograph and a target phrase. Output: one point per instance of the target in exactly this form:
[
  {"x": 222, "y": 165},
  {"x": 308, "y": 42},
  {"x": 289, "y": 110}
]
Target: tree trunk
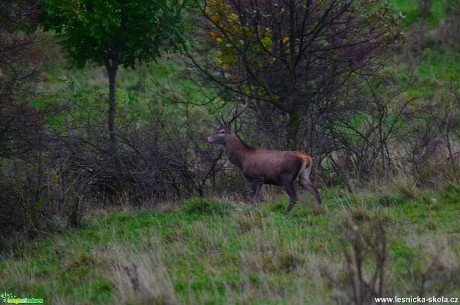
[
  {"x": 113, "y": 140},
  {"x": 293, "y": 127}
]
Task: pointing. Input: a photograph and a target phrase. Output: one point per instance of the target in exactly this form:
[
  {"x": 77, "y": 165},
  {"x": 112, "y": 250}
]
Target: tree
[
  {"x": 116, "y": 33},
  {"x": 295, "y": 55}
]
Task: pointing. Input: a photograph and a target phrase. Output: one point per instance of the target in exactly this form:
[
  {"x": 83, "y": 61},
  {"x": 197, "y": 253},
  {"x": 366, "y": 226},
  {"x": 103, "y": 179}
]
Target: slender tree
[{"x": 116, "y": 33}]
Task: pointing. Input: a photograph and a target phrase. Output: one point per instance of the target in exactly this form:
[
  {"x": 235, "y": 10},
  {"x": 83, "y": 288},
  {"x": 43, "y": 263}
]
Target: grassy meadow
[{"x": 217, "y": 251}]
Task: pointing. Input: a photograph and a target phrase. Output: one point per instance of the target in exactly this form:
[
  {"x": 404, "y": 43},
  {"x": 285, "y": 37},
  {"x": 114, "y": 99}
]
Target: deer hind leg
[
  {"x": 308, "y": 185},
  {"x": 290, "y": 189}
]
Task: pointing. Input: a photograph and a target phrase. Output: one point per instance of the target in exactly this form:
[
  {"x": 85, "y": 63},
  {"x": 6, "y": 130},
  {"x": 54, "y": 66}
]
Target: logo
[
  {"x": 6, "y": 295},
  {"x": 9, "y": 298}
]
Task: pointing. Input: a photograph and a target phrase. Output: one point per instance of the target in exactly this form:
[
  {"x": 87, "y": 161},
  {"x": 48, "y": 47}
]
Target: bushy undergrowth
[{"x": 35, "y": 198}]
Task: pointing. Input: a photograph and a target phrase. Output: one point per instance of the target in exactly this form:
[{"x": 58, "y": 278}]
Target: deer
[{"x": 262, "y": 166}]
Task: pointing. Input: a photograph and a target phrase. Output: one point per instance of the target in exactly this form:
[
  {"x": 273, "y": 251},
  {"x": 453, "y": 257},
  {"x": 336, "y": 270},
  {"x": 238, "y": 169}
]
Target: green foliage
[{"x": 137, "y": 30}]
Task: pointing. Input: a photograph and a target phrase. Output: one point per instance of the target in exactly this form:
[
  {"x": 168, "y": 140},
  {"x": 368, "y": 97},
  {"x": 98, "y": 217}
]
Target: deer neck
[{"x": 236, "y": 150}]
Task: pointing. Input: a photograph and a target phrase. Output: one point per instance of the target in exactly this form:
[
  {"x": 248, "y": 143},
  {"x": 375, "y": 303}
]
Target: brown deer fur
[{"x": 262, "y": 166}]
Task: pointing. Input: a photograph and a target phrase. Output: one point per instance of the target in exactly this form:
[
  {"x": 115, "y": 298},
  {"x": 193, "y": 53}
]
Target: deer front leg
[
  {"x": 256, "y": 188},
  {"x": 256, "y": 185}
]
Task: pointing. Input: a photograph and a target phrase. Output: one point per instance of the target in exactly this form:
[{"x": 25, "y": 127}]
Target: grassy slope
[{"x": 215, "y": 252}]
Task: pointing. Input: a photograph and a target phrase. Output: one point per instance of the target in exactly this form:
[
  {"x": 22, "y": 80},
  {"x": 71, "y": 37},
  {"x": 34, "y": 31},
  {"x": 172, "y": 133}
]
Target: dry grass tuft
[{"x": 142, "y": 277}]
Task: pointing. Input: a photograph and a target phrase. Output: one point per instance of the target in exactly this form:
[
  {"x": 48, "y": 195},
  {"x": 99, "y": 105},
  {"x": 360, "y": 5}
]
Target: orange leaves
[
  {"x": 223, "y": 20},
  {"x": 221, "y": 17},
  {"x": 234, "y": 37}
]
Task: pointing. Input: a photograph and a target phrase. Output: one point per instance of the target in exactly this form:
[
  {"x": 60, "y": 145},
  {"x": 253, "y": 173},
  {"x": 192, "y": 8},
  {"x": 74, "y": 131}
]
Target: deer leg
[
  {"x": 290, "y": 189},
  {"x": 309, "y": 186},
  {"x": 256, "y": 188}
]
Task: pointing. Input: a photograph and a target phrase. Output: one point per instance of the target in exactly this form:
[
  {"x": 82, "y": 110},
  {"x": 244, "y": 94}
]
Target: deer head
[
  {"x": 221, "y": 135},
  {"x": 224, "y": 131}
]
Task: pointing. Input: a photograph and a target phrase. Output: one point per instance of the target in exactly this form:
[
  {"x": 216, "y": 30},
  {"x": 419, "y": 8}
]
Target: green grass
[
  {"x": 207, "y": 251},
  {"x": 411, "y": 10}
]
